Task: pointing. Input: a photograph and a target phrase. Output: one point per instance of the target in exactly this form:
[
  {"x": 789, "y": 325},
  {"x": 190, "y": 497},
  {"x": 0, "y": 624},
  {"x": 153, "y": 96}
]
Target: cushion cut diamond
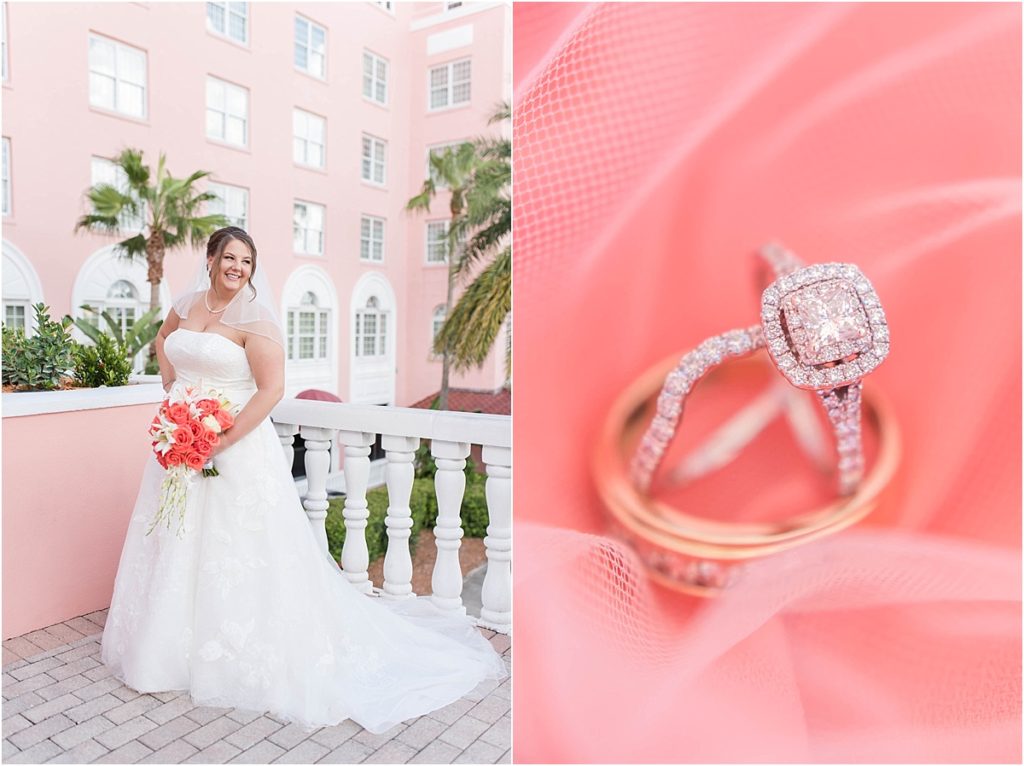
[{"x": 827, "y": 322}]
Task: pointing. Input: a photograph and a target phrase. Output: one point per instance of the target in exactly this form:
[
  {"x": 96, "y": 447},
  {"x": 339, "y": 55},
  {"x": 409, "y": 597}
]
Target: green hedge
[{"x": 422, "y": 502}]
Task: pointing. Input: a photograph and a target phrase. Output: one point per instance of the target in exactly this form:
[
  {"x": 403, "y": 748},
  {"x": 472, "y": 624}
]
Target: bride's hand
[{"x": 223, "y": 442}]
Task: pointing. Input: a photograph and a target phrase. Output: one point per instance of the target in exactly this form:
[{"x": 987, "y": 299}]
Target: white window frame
[
  {"x": 301, "y": 143},
  {"x": 368, "y": 238},
  {"x": 380, "y": 330},
  {"x": 449, "y": 85},
  {"x": 374, "y": 79},
  {"x": 8, "y": 187},
  {"x": 307, "y": 230},
  {"x": 25, "y": 309},
  {"x": 229, "y": 9},
  {"x": 116, "y": 177},
  {"x": 432, "y": 241},
  {"x": 119, "y": 50},
  {"x": 225, "y": 113},
  {"x": 321, "y": 334},
  {"x": 374, "y": 160},
  {"x": 232, "y": 202},
  {"x": 307, "y": 44}
]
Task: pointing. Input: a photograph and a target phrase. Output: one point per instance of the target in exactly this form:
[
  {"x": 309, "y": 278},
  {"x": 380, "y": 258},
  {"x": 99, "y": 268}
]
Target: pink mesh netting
[{"x": 655, "y": 146}]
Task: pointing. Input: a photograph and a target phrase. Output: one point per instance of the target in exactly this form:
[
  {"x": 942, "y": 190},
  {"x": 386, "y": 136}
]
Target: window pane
[
  {"x": 131, "y": 65},
  {"x": 237, "y": 99},
  {"x": 439, "y": 77},
  {"x": 301, "y": 30},
  {"x": 237, "y": 30},
  {"x": 307, "y": 321},
  {"x": 305, "y": 348},
  {"x": 129, "y": 99},
  {"x": 319, "y": 39},
  {"x": 301, "y": 56},
  {"x": 369, "y": 345},
  {"x": 438, "y": 98},
  {"x": 298, "y": 150},
  {"x": 215, "y": 94},
  {"x": 101, "y": 56},
  {"x": 215, "y": 16},
  {"x": 323, "y": 347},
  {"x": 316, "y": 64},
  {"x": 369, "y": 324},
  {"x": 236, "y": 131},
  {"x": 101, "y": 91},
  {"x": 214, "y": 124}
]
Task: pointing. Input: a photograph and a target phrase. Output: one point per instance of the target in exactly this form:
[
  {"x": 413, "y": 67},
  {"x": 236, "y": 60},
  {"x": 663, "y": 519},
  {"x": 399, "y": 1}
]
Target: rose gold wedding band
[{"x": 697, "y": 555}]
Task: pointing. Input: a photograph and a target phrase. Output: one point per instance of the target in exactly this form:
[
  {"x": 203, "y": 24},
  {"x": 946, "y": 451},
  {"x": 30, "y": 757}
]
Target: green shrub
[
  {"x": 42, "y": 361},
  {"x": 106, "y": 363},
  {"x": 423, "y": 504}
]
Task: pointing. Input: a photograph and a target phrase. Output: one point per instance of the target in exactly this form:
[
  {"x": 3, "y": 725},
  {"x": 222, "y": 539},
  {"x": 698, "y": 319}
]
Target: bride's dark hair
[{"x": 220, "y": 239}]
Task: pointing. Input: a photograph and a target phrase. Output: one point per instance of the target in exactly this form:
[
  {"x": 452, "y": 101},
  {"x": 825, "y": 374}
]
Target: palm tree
[
  {"x": 171, "y": 209},
  {"x": 453, "y": 168},
  {"x": 470, "y": 329}
]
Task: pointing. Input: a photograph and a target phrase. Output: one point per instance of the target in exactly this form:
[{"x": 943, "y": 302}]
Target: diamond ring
[{"x": 825, "y": 329}]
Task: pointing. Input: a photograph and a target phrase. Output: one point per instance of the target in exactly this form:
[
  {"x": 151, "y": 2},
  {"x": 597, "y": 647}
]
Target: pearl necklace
[{"x": 206, "y": 300}]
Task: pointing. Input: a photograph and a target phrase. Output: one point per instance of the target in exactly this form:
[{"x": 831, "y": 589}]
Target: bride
[{"x": 242, "y": 608}]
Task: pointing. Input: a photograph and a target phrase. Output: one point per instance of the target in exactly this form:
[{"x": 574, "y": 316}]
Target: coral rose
[
  {"x": 175, "y": 458},
  {"x": 202, "y": 447},
  {"x": 178, "y": 413},
  {"x": 197, "y": 429},
  {"x": 225, "y": 418},
  {"x": 183, "y": 436},
  {"x": 195, "y": 461},
  {"x": 207, "y": 406},
  {"x": 211, "y": 438}
]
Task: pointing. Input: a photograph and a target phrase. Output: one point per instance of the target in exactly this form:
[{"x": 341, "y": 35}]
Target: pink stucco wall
[
  {"x": 54, "y": 131},
  {"x": 66, "y": 505}
]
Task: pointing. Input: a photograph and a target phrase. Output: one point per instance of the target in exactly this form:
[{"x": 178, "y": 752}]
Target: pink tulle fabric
[{"x": 656, "y": 145}]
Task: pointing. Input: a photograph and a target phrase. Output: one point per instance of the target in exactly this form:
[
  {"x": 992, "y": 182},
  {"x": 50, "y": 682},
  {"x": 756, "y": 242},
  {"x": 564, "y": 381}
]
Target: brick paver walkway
[{"x": 61, "y": 705}]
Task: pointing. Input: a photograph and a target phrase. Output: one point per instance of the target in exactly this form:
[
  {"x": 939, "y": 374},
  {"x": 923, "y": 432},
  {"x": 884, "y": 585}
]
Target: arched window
[
  {"x": 122, "y": 303},
  {"x": 371, "y": 330},
  {"x": 307, "y": 329}
]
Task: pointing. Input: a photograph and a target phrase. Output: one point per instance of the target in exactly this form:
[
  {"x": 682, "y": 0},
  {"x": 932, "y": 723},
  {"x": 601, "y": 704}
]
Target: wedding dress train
[{"x": 245, "y": 610}]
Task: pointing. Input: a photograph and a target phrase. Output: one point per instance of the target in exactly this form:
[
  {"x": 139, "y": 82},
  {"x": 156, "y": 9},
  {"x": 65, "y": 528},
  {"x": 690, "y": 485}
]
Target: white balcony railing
[{"x": 451, "y": 435}]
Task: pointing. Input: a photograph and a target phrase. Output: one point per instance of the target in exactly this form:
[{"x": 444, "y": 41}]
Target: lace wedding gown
[{"x": 247, "y": 611}]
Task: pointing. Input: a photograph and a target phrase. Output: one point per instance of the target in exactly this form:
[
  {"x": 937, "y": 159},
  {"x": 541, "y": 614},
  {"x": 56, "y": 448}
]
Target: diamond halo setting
[{"x": 824, "y": 326}]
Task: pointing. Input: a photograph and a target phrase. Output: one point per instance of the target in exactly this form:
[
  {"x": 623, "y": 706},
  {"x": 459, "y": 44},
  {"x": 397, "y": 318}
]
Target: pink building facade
[{"x": 315, "y": 120}]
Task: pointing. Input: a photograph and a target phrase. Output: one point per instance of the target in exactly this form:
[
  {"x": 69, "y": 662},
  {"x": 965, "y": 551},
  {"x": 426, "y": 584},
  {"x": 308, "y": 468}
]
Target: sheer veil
[{"x": 251, "y": 310}]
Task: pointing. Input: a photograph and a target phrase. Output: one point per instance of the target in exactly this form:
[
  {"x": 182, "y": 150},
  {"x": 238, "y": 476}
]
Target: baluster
[
  {"x": 286, "y": 434},
  {"x": 355, "y": 558},
  {"x": 450, "y": 486},
  {"x": 318, "y": 461},
  {"x": 497, "y": 588},
  {"x": 400, "y": 452}
]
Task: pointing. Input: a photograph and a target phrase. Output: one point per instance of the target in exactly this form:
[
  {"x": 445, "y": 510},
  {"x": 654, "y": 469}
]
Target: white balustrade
[
  {"x": 318, "y": 462},
  {"x": 355, "y": 558},
  {"x": 286, "y": 433},
  {"x": 402, "y": 429},
  {"x": 400, "y": 451},
  {"x": 497, "y": 588},
  {"x": 450, "y": 486}
]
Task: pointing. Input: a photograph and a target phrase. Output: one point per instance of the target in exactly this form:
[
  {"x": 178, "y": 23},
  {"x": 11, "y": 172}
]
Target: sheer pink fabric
[{"x": 655, "y": 147}]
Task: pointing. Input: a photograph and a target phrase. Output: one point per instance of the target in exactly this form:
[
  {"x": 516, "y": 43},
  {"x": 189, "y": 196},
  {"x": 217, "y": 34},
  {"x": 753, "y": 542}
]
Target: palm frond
[{"x": 469, "y": 331}]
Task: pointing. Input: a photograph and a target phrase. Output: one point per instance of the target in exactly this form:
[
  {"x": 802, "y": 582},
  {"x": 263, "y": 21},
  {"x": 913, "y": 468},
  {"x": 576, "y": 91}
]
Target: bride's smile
[{"x": 230, "y": 270}]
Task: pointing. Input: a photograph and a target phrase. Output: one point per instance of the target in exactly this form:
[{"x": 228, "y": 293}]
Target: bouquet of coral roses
[{"x": 184, "y": 432}]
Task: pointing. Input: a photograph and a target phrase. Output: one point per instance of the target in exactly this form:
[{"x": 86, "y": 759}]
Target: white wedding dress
[{"x": 245, "y": 610}]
